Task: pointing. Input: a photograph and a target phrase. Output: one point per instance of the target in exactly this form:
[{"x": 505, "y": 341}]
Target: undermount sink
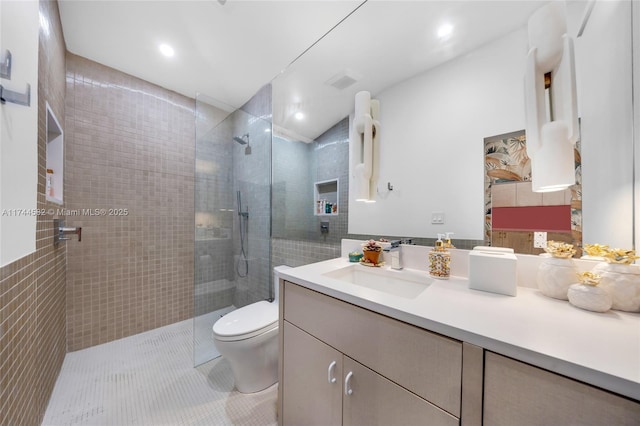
[{"x": 404, "y": 283}]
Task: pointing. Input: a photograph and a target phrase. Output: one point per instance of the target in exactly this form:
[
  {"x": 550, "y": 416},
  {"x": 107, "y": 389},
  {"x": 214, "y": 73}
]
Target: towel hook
[{"x": 15, "y": 97}]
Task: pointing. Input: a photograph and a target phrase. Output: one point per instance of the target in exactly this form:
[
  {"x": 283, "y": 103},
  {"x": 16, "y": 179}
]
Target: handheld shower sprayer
[
  {"x": 243, "y": 218},
  {"x": 239, "y": 202}
]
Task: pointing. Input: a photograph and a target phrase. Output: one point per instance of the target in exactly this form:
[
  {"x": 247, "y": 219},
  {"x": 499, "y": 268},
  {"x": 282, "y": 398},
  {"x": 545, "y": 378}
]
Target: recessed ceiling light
[
  {"x": 267, "y": 130},
  {"x": 299, "y": 115},
  {"x": 166, "y": 50},
  {"x": 445, "y": 31}
]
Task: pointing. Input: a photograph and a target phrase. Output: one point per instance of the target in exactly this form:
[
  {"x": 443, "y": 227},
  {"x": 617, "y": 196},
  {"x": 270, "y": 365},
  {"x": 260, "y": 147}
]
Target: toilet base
[{"x": 253, "y": 361}]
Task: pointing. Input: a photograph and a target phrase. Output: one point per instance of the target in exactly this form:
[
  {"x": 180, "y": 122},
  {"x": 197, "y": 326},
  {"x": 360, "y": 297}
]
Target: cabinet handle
[
  {"x": 330, "y": 372},
  {"x": 347, "y": 384}
]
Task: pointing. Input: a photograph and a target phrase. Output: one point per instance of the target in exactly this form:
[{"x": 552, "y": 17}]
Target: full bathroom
[{"x": 184, "y": 184}]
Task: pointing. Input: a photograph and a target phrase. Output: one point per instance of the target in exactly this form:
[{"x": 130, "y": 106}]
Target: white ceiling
[
  {"x": 385, "y": 42},
  {"x": 228, "y": 52},
  {"x": 224, "y": 51}
]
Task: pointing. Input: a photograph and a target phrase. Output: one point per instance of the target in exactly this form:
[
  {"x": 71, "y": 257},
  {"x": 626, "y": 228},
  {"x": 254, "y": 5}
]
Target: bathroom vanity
[{"x": 410, "y": 350}]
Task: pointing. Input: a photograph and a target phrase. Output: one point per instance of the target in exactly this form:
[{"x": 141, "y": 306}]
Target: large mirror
[{"x": 440, "y": 97}]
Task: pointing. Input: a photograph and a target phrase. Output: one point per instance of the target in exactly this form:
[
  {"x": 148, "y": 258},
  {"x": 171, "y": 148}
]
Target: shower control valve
[{"x": 324, "y": 227}]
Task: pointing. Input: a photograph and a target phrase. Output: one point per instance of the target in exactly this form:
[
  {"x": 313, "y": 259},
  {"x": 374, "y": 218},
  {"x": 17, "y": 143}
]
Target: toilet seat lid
[{"x": 247, "y": 321}]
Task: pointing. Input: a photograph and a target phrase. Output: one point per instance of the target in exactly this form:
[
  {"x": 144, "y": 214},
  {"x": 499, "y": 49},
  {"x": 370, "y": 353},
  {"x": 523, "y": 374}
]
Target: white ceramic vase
[
  {"x": 555, "y": 275},
  {"x": 589, "y": 297},
  {"x": 623, "y": 283}
]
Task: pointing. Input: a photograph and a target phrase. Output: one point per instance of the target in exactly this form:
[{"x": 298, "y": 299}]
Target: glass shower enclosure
[{"x": 232, "y": 265}]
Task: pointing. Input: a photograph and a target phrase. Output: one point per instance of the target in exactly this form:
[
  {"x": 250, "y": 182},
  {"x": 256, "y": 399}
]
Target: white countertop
[{"x": 602, "y": 349}]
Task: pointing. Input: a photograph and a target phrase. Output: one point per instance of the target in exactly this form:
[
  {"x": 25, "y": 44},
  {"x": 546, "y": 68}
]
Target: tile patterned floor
[{"x": 149, "y": 379}]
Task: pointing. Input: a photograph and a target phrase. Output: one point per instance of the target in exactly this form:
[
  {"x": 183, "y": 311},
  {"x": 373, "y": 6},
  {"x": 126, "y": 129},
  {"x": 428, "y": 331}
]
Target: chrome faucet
[
  {"x": 67, "y": 230},
  {"x": 395, "y": 253},
  {"x": 60, "y": 232}
]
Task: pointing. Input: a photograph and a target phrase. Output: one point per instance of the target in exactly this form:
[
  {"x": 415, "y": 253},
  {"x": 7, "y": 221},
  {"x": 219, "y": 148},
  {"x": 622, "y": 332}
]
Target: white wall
[
  {"x": 432, "y": 142},
  {"x": 19, "y": 131}
]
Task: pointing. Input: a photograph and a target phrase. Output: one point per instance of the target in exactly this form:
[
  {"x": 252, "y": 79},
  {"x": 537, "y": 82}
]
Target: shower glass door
[{"x": 232, "y": 217}]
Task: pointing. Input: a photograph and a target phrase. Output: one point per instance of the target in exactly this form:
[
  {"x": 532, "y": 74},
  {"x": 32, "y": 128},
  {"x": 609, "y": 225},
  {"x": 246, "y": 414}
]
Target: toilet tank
[{"x": 276, "y": 278}]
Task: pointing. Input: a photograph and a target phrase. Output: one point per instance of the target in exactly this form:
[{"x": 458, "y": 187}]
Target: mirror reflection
[
  {"x": 440, "y": 98},
  {"x": 515, "y": 215}
]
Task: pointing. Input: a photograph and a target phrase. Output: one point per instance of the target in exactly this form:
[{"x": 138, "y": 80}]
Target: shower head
[
  {"x": 241, "y": 140},
  {"x": 244, "y": 140}
]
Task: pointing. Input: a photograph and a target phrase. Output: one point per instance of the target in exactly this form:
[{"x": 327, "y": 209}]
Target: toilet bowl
[{"x": 248, "y": 339}]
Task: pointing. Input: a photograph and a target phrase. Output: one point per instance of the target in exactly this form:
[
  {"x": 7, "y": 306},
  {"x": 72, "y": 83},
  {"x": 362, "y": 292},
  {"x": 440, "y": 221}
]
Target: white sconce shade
[
  {"x": 551, "y": 52},
  {"x": 364, "y": 147},
  {"x": 361, "y": 186},
  {"x": 550, "y": 167}
]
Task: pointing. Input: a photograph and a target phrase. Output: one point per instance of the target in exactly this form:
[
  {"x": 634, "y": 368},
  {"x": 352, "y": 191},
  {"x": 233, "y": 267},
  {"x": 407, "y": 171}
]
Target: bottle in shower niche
[
  {"x": 322, "y": 205},
  {"x": 440, "y": 260},
  {"x": 49, "y": 188}
]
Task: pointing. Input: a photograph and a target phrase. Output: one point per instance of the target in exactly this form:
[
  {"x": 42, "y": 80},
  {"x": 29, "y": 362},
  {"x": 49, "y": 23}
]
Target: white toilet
[{"x": 248, "y": 339}]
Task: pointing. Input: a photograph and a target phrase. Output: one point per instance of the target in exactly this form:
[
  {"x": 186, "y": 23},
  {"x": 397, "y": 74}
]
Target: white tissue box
[{"x": 493, "y": 269}]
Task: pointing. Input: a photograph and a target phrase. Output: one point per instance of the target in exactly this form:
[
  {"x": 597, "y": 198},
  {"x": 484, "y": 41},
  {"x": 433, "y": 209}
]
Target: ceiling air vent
[{"x": 343, "y": 79}]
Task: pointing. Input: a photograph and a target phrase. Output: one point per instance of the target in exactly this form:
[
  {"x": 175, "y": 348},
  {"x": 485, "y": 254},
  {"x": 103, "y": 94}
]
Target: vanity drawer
[{"x": 425, "y": 363}]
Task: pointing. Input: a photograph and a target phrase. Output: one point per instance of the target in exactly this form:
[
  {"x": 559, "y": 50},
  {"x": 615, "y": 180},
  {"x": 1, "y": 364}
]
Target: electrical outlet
[
  {"x": 437, "y": 218},
  {"x": 539, "y": 239}
]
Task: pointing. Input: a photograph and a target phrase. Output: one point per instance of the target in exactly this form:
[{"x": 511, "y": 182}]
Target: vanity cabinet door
[
  {"x": 370, "y": 399},
  {"x": 311, "y": 380},
  {"x": 516, "y": 393},
  {"x": 425, "y": 363}
]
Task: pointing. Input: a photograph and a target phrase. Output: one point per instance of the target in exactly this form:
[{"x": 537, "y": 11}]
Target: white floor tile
[{"x": 149, "y": 379}]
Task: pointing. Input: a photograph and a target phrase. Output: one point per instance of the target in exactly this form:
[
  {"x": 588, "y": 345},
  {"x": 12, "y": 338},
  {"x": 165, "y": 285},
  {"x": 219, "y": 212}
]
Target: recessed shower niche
[
  {"x": 54, "y": 189},
  {"x": 326, "y": 197}
]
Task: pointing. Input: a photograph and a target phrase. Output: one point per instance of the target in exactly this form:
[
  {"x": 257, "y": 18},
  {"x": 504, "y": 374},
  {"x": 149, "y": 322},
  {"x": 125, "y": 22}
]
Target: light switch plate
[
  {"x": 437, "y": 218},
  {"x": 539, "y": 239}
]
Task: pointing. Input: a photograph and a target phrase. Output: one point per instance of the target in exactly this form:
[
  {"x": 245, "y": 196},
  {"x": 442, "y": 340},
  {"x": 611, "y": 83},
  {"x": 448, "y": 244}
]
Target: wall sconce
[
  {"x": 550, "y": 100},
  {"x": 364, "y": 146}
]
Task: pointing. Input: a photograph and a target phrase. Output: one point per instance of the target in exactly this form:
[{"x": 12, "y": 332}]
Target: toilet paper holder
[{"x": 60, "y": 232}]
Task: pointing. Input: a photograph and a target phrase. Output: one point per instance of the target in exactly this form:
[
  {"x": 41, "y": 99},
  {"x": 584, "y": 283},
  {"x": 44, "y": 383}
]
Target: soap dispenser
[
  {"x": 439, "y": 260},
  {"x": 447, "y": 241}
]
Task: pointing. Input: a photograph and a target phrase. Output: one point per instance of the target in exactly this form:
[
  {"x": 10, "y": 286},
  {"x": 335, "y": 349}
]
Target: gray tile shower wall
[
  {"x": 297, "y": 166},
  {"x": 129, "y": 152},
  {"x": 32, "y": 289},
  {"x": 252, "y": 177},
  {"x": 330, "y": 160},
  {"x": 292, "y": 190},
  {"x": 214, "y": 287},
  {"x": 224, "y": 168}
]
